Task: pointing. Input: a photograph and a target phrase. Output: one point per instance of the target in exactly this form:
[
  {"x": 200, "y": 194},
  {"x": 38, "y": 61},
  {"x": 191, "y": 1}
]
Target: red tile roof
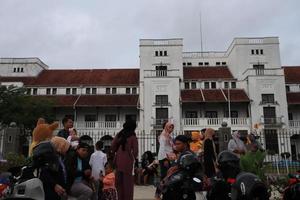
[
  {"x": 93, "y": 100},
  {"x": 93, "y": 77},
  {"x": 293, "y": 97},
  {"x": 196, "y": 73},
  {"x": 236, "y": 95},
  {"x": 292, "y": 74}
]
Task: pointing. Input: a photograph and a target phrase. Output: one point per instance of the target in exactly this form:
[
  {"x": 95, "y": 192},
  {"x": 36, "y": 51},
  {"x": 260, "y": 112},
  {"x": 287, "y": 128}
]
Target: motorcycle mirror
[{"x": 197, "y": 180}]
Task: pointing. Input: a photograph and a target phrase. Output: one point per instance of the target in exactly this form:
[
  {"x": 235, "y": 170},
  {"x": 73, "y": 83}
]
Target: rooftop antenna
[{"x": 201, "y": 37}]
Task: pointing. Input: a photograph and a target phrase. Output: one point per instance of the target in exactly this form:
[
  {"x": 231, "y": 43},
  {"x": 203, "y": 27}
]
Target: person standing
[
  {"x": 210, "y": 155},
  {"x": 97, "y": 162},
  {"x": 237, "y": 145},
  {"x": 125, "y": 148},
  {"x": 165, "y": 148},
  {"x": 67, "y": 123}
]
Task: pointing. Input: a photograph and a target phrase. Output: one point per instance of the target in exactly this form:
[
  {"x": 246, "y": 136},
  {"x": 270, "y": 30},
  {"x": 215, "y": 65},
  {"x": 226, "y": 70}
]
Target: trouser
[
  {"x": 81, "y": 191},
  {"x": 164, "y": 166}
]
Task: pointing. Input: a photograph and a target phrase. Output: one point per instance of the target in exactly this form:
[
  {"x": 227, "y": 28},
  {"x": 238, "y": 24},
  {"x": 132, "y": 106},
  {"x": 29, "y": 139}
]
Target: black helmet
[
  {"x": 189, "y": 161},
  {"x": 229, "y": 164},
  {"x": 247, "y": 187}
]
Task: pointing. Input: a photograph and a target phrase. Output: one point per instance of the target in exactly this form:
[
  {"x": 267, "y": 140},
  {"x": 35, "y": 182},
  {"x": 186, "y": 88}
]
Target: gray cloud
[{"x": 94, "y": 33}]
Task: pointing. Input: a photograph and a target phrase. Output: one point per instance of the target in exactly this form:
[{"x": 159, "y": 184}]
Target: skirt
[{"x": 109, "y": 194}]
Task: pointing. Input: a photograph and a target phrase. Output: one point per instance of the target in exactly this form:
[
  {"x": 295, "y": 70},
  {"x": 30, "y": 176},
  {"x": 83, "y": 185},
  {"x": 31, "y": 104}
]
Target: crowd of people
[{"x": 86, "y": 175}]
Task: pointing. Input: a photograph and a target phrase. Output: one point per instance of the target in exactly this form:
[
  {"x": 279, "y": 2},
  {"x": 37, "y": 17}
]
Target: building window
[
  {"x": 211, "y": 114},
  {"x": 90, "y": 118},
  {"x": 18, "y": 69},
  {"x": 291, "y": 116},
  {"x": 186, "y": 85},
  {"x": 94, "y": 90},
  {"x": 287, "y": 88},
  {"x": 206, "y": 85},
  {"x": 206, "y": 63},
  {"x": 161, "y": 71},
  {"x": 213, "y": 85},
  {"x": 156, "y": 53},
  {"x": 10, "y": 139},
  {"x": 184, "y": 64},
  {"x": 162, "y": 115},
  {"x": 68, "y": 90},
  {"x": 48, "y": 91},
  {"x": 217, "y": 63},
  {"x": 259, "y": 69},
  {"x": 189, "y": 64},
  {"x": 267, "y": 98},
  {"x": 224, "y": 63},
  {"x": 74, "y": 90},
  {"x": 233, "y": 114},
  {"x": 110, "y": 118},
  {"x": 233, "y": 85},
  {"x": 257, "y": 51},
  {"x": 193, "y": 85},
  {"x": 252, "y": 51},
  {"x": 54, "y": 91},
  {"x": 200, "y": 63},
  {"x": 88, "y": 91},
  {"x": 22, "y": 69},
  {"x": 15, "y": 70},
  {"x": 226, "y": 85},
  {"x": 161, "y": 100},
  {"x": 191, "y": 114},
  {"x": 165, "y": 53},
  {"x": 34, "y": 92},
  {"x": 134, "y": 91},
  {"x": 271, "y": 140},
  {"x": 261, "y": 51},
  {"x": 28, "y": 91},
  {"x": 127, "y": 90},
  {"x": 160, "y": 53},
  {"x": 114, "y": 91},
  {"x": 107, "y": 91}
]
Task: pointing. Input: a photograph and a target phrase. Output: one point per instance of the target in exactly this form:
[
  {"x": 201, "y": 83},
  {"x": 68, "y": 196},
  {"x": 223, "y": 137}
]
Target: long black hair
[{"x": 128, "y": 130}]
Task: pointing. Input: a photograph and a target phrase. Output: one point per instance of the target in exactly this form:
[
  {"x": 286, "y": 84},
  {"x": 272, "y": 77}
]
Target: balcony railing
[
  {"x": 272, "y": 120},
  {"x": 294, "y": 123},
  {"x": 161, "y": 73},
  {"x": 99, "y": 125},
  {"x": 206, "y": 122},
  {"x": 263, "y": 72},
  {"x": 268, "y": 102}
]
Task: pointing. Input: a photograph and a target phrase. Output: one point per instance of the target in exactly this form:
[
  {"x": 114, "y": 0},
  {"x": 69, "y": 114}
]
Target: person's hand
[
  {"x": 59, "y": 190},
  {"x": 101, "y": 178},
  {"x": 171, "y": 156}
]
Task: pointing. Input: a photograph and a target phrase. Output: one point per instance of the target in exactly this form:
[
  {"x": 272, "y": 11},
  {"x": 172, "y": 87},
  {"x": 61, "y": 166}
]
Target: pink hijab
[{"x": 167, "y": 132}]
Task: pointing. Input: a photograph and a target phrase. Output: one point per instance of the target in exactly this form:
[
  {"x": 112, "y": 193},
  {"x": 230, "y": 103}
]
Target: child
[
  {"x": 97, "y": 162},
  {"x": 73, "y": 139},
  {"x": 109, "y": 189}
]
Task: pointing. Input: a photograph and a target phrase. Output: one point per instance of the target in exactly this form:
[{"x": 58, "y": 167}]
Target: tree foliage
[{"x": 24, "y": 110}]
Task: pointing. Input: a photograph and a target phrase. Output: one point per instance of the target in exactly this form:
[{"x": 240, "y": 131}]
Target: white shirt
[
  {"x": 97, "y": 161},
  {"x": 165, "y": 147}
]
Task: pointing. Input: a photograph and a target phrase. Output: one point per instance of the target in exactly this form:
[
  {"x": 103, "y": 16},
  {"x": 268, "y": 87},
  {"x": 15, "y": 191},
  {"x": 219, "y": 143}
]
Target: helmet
[
  {"x": 229, "y": 164},
  {"x": 247, "y": 187},
  {"x": 189, "y": 162}
]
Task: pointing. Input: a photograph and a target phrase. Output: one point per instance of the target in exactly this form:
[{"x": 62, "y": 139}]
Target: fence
[{"x": 282, "y": 146}]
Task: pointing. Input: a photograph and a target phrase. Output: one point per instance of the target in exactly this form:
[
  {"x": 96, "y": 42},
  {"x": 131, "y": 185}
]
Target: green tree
[{"x": 24, "y": 110}]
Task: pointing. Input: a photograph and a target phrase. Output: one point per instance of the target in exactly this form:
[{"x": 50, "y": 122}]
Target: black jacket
[{"x": 71, "y": 167}]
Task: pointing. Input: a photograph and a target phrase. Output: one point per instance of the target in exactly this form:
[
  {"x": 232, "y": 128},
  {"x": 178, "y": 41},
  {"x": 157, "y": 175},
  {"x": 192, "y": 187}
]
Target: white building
[{"x": 195, "y": 90}]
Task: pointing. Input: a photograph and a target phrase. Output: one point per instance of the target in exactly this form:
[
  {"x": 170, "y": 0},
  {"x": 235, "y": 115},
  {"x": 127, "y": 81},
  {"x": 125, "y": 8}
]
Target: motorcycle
[
  {"x": 186, "y": 182},
  {"x": 233, "y": 184},
  {"x": 292, "y": 191}
]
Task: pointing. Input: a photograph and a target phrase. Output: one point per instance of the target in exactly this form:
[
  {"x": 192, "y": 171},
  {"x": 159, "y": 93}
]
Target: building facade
[{"x": 244, "y": 86}]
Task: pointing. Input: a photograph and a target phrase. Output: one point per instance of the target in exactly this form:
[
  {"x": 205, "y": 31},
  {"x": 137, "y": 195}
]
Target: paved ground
[{"x": 144, "y": 192}]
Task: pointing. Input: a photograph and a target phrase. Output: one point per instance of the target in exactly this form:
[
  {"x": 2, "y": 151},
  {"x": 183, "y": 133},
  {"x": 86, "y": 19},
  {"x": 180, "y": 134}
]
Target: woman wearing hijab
[
  {"x": 210, "y": 154},
  {"x": 236, "y": 145},
  {"x": 125, "y": 148},
  {"x": 165, "y": 148}
]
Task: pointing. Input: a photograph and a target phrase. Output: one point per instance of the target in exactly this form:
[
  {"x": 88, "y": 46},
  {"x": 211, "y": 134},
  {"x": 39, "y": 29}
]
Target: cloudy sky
[{"x": 106, "y": 33}]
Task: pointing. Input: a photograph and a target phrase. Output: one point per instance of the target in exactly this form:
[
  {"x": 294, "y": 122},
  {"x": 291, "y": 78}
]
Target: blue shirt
[{"x": 79, "y": 168}]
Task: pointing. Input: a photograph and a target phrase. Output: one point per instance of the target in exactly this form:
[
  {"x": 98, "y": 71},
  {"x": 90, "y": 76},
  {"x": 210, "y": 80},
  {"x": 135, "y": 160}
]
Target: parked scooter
[{"x": 186, "y": 182}]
